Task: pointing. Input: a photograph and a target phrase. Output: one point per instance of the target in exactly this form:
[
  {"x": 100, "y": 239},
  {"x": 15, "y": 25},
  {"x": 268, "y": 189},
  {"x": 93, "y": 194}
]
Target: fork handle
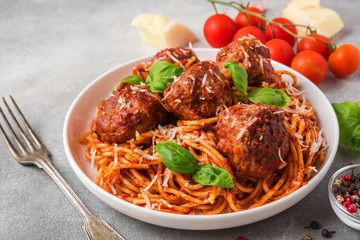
[{"x": 95, "y": 228}]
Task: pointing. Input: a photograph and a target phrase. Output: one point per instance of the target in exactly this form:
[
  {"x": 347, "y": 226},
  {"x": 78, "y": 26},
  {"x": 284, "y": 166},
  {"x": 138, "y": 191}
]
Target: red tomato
[
  {"x": 280, "y": 33},
  {"x": 317, "y": 46},
  {"x": 281, "y": 51},
  {"x": 245, "y": 31},
  {"x": 219, "y": 30},
  {"x": 241, "y": 20},
  {"x": 310, "y": 64},
  {"x": 345, "y": 60}
]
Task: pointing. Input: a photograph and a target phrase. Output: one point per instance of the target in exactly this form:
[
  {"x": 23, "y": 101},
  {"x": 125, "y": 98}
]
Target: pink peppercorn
[
  {"x": 347, "y": 178},
  {"x": 346, "y": 204},
  {"x": 349, "y": 199},
  {"x": 351, "y": 208}
]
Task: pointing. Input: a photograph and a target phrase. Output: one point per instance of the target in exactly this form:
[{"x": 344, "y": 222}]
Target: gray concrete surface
[{"x": 51, "y": 49}]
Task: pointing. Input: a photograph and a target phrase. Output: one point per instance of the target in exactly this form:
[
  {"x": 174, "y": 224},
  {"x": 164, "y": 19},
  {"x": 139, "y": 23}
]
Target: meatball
[
  {"x": 181, "y": 56},
  {"x": 129, "y": 109},
  {"x": 250, "y": 53},
  {"x": 199, "y": 92},
  {"x": 253, "y": 137}
]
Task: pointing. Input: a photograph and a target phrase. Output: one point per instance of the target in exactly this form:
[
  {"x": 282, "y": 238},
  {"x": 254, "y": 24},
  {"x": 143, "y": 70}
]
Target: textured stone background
[{"x": 50, "y": 50}]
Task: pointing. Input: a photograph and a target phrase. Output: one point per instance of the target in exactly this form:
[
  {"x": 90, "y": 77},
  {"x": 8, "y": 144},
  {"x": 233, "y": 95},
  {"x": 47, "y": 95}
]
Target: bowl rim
[
  {"x": 332, "y": 196},
  {"x": 295, "y": 196}
]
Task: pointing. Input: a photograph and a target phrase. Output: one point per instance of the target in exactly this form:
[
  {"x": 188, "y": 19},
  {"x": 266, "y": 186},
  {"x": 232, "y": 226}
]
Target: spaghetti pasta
[{"x": 132, "y": 171}]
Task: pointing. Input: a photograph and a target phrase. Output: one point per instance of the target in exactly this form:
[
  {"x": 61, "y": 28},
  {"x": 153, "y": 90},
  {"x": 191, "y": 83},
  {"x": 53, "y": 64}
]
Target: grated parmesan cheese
[
  {"x": 228, "y": 113},
  {"x": 313, "y": 168},
  {"x": 147, "y": 201},
  {"x": 279, "y": 153},
  {"x": 261, "y": 61},
  {"x": 101, "y": 182},
  {"x": 217, "y": 76},
  {"x": 218, "y": 110},
  {"x": 208, "y": 89},
  {"x": 166, "y": 179},
  {"x": 151, "y": 183},
  {"x": 165, "y": 203},
  {"x": 233, "y": 123},
  {"x": 296, "y": 183},
  {"x": 113, "y": 190},
  {"x": 167, "y": 94},
  {"x": 157, "y": 98},
  {"x": 174, "y": 58},
  {"x": 192, "y": 85},
  {"x": 252, "y": 121},
  {"x": 278, "y": 112},
  {"x": 145, "y": 155},
  {"x": 316, "y": 145},
  {"x": 93, "y": 153},
  {"x": 203, "y": 80},
  {"x": 239, "y": 135}
]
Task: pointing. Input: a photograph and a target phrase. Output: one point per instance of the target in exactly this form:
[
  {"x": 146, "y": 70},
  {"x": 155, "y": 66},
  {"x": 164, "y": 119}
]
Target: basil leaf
[
  {"x": 239, "y": 76},
  {"x": 269, "y": 96},
  {"x": 348, "y": 115},
  {"x": 212, "y": 175},
  {"x": 177, "y": 158},
  {"x": 354, "y": 143},
  {"x": 160, "y": 75},
  {"x": 133, "y": 79}
]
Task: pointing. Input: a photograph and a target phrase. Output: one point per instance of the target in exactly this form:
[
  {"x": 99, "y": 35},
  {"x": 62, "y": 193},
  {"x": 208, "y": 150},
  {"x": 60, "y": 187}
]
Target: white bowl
[{"x": 81, "y": 113}]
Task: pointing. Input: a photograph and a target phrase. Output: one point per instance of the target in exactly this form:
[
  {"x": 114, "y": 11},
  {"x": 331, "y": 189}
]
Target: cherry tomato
[
  {"x": 345, "y": 60},
  {"x": 281, "y": 51},
  {"x": 317, "y": 46},
  {"x": 219, "y": 30},
  {"x": 241, "y": 20},
  {"x": 280, "y": 33},
  {"x": 310, "y": 64},
  {"x": 245, "y": 31}
]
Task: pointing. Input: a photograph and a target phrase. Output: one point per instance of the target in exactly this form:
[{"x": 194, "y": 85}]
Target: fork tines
[{"x": 33, "y": 147}]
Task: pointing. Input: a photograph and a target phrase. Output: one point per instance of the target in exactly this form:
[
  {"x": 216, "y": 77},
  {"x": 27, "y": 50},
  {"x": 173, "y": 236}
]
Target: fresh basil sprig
[
  {"x": 176, "y": 158},
  {"x": 348, "y": 115},
  {"x": 212, "y": 175},
  {"x": 267, "y": 96},
  {"x": 239, "y": 76},
  {"x": 180, "y": 160},
  {"x": 133, "y": 79},
  {"x": 160, "y": 75}
]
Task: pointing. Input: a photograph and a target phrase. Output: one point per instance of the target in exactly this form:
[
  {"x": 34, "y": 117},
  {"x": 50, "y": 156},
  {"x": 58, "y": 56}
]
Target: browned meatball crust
[
  {"x": 180, "y": 56},
  {"x": 253, "y": 137},
  {"x": 129, "y": 109},
  {"x": 200, "y": 92},
  {"x": 250, "y": 53}
]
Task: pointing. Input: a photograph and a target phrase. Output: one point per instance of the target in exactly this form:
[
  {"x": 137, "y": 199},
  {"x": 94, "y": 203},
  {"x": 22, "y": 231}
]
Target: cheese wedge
[
  {"x": 310, "y": 12},
  {"x": 162, "y": 32}
]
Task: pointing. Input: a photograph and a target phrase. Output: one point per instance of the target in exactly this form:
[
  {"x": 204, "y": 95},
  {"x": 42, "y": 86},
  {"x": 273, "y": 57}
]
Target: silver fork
[{"x": 37, "y": 154}]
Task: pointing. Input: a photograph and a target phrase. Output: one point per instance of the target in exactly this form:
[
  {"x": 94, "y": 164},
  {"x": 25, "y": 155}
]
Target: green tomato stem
[{"x": 331, "y": 45}]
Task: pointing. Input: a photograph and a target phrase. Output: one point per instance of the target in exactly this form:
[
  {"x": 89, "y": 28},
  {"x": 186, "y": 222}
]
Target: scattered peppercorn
[
  {"x": 306, "y": 237},
  {"x": 326, "y": 233},
  {"x": 313, "y": 225},
  {"x": 242, "y": 238}
]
